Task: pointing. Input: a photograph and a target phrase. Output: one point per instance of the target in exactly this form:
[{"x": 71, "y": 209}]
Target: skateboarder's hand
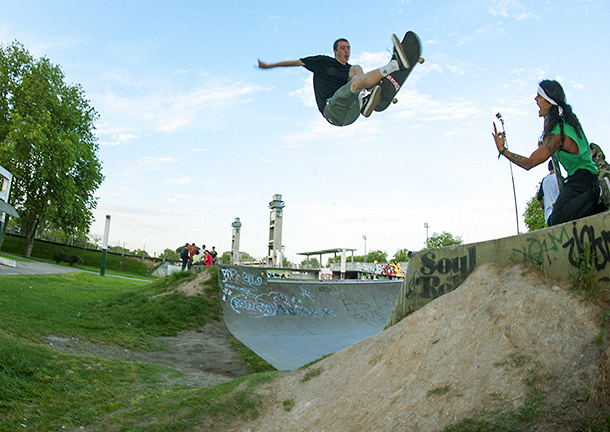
[{"x": 263, "y": 65}]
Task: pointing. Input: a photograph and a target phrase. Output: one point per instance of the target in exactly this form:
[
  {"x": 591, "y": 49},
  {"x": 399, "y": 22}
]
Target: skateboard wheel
[
  {"x": 421, "y": 60},
  {"x": 394, "y": 100}
]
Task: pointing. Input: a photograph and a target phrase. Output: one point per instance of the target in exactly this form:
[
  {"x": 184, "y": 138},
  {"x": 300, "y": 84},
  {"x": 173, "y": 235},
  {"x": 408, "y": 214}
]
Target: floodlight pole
[
  {"x": 364, "y": 237},
  {"x": 105, "y": 247}
]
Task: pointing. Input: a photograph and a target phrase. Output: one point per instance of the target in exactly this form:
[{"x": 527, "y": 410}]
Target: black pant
[{"x": 577, "y": 199}]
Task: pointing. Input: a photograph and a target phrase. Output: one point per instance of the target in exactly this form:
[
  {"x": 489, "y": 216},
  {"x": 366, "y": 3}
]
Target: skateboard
[{"x": 391, "y": 84}]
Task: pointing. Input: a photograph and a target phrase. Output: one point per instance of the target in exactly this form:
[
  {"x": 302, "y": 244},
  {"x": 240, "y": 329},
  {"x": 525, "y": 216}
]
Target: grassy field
[{"x": 43, "y": 389}]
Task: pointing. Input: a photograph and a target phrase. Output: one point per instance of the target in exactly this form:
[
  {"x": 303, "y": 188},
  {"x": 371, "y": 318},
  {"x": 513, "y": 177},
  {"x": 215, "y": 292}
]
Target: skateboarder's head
[{"x": 342, "y": 49}]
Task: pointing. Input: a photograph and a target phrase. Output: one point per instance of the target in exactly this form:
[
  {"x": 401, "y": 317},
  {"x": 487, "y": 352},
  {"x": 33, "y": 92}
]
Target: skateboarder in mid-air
[{"x": 340, "y": 88}]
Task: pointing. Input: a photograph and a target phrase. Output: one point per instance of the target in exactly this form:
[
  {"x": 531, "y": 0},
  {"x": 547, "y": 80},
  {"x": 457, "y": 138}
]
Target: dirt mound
[
  {"x": 506, "y": 339},
  {"x": 194, "y": 287}
]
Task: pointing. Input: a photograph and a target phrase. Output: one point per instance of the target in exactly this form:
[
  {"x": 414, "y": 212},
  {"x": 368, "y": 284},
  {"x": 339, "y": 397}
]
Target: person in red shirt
[
  {"x": 207, "y": 259},
  {"x": 192, "y": 251}
]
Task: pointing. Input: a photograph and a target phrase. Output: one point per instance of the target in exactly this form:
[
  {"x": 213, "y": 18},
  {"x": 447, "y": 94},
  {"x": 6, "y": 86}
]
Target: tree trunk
[{"x": 30, "y": 235}]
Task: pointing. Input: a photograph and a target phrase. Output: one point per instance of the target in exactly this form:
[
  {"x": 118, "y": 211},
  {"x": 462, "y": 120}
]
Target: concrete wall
[
  {"x": 380, "y": 269},
  {"x": 434, "y": 272}
]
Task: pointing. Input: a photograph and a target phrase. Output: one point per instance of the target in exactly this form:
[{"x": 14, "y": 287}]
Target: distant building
[
  {"x": 6, "y": 179},
  {"x": 235, "y": 258},
  {"x": 274, "y": 255}
]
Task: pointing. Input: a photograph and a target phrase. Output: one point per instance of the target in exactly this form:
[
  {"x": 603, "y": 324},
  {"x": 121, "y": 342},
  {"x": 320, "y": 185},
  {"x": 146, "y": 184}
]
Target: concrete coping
[{"x": 8, "y": 262}]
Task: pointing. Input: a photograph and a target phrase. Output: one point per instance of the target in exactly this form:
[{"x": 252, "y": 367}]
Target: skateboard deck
[{"x": 391, "y": 84}]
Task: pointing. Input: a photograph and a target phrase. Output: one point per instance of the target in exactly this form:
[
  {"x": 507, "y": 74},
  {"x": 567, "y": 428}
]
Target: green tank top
[{"x": 574, "y": 162}]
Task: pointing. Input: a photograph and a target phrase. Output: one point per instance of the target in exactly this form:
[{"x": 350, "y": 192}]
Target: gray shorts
[{"x": 343, "y": 108}]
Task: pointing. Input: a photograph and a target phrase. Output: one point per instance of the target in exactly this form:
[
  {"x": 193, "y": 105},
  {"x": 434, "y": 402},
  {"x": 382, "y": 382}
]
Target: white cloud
[
  {"x": 163, "y": 109},
  {"x": 149, "y": 164},
  {"x": 181, "y": 110},
  {"x": 370, "y": 61},
  {"x": 305, "y": 93},
  {"x": 510, "y": 9},
  {"x": 117, "y": 138},
  {"x": 180, "y": 181},
  {"x": 487, "y": 32},
  {"x": 423, "y": 108}
]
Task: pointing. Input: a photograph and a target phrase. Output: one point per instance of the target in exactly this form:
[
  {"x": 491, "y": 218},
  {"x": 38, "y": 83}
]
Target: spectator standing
[
  {"x": 549, "y": 191},
  {"x": 214, "y": 255},
  {"x": 184, "y": 256},
  {"x": 192, "y": 250}
]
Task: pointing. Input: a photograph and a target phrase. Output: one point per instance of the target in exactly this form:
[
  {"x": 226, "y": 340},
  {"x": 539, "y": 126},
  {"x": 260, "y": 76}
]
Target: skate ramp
[
  {"x": 557, "y": 250},
  {"x": 291, "y": 323}
]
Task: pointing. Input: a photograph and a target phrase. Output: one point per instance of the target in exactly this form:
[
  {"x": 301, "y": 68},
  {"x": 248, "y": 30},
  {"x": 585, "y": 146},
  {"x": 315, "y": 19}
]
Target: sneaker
[
  {"x": 604, "y": 192},
  {"x": 399, "y": 54},
  {"x": 370, "y": 101}
]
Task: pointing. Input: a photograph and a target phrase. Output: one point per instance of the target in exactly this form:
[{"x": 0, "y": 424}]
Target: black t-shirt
[{"x": 328, "y": 76}]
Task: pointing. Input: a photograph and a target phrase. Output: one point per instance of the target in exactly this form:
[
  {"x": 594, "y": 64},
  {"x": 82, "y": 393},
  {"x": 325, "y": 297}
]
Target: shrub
[
  {"x": 47, "y": 250},
  {"x": 75, "y": 259},
  {"x": 59, "y": 256}
]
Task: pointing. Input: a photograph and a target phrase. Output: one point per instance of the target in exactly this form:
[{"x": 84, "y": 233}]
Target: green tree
[
  {"x": 245, "y": 257},
  {"x": 376, "y": 255},
  {"x": 443, "y": 239},
  {"x": 534, "y": 214},
  {"x": 170, "y": 254},
  {"x": 401, "y": 255},
  {"x": 312, "y": 263},
  {"x": 47, "y": 143},
  {"x": 225, "y": 258},
  {"x": 348, "y": 258}
]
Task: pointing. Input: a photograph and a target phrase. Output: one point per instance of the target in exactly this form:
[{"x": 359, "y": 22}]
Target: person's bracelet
[{"x": 504, "y": 150}]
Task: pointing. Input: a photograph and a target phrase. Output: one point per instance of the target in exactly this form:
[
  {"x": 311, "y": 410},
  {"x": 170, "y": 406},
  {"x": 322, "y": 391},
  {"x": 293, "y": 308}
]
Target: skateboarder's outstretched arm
[{"x": 288, "y": 63}]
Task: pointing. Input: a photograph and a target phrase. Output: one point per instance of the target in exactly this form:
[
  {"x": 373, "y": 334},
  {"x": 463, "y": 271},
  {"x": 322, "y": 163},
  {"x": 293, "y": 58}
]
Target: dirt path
[{"x": 204, "y": 356}]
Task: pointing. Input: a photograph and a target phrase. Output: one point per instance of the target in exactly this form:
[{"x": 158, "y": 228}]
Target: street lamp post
[
  {"x": 105, "y": 246},
  {"x": 427, "y": 238},
  {"x": 364, "y": 237}
]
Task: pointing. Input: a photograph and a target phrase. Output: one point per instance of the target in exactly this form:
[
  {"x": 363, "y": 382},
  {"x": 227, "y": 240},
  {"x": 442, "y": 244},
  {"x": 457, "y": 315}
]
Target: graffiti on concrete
[
  {"x": 273, "y": 303},
  {"x": 440, "y": 276},
  {"x": 277, "y": 275},
  {"x": 543, "y": 251},
  {"x": 373, "y": 268},
  {"x": 239, "y": 281},
  {"x": 371, "y": 314},
  {"x": 249, "y": 294},
  {"x": 392, "y": 270},
  {"x": 326, "y": 276}
]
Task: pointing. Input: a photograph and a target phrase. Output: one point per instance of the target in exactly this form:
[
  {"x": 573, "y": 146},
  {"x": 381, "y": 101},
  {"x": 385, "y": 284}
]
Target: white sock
[{"x": 389, "y": 68}]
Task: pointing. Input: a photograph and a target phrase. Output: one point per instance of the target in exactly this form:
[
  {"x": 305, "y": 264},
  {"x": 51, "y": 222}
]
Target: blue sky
[{"x": 192, "y": 135}]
